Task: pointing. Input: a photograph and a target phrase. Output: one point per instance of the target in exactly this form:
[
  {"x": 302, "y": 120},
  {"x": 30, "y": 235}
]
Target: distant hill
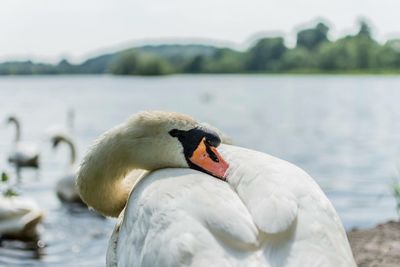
[
  {"x": 102, "y": 64},
  {"x": 26, "y": 68}
]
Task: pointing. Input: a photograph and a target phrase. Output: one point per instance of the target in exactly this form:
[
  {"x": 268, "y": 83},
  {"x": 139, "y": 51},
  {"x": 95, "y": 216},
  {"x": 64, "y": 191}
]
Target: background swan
[
  {"x": 268, "y": 213},
  {"x": 19, "y": 216},
  {"x": 24, "y": 154},
  {"x": 66, "y": 188}
]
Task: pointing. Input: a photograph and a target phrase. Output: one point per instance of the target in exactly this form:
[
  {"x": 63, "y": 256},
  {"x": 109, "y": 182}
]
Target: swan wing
[
  {"x": 300, "y": 224},
  {"x": 270, "y": 213},
  {"x": 181, "y": 217},
  {"x": 260, "y": 182}
]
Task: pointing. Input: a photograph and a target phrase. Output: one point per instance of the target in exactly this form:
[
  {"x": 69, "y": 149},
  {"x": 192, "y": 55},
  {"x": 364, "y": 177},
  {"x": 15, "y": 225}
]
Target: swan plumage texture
[{"x": 268, "y": 212}]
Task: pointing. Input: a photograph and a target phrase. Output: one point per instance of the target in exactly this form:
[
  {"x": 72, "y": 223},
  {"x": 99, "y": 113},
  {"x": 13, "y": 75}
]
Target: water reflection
[{"x": 20, "y": 252}]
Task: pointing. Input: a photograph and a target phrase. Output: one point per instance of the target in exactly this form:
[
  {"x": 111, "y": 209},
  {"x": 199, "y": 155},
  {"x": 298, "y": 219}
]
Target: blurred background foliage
[{"x": 313, "y": 53}]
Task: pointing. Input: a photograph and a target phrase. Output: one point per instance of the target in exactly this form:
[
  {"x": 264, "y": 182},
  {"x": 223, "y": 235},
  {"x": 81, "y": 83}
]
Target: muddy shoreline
[{"x": 378, "y": 246}]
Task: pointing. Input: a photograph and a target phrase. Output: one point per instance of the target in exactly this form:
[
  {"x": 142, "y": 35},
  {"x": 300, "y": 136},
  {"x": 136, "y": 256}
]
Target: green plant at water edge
[
  {"x": 4, "y": 177},
  {"x": 8, "y": 191}
]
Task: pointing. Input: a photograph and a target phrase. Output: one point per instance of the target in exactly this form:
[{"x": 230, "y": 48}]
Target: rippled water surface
[{"x": 343, "y": 130}]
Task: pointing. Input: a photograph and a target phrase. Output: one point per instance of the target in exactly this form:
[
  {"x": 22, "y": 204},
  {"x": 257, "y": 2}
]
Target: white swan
[
  {"x": 267, "y": 213},
  {"x": 24, "y": 154},
  {"x": 66, "y": 187},
  {"x": 19, "y": 217}
]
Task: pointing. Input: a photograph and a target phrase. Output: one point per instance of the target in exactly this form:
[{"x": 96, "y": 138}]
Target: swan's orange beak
[{"x": 208, "y": 158}]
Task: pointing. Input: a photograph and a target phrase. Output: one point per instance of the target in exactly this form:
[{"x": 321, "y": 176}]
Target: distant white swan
[
  {"x": 66, "y": 188},
  {"x": 267, "y": 213},
  {"x": 19, "y": 216},
  {"x": 24, "y": 154}
]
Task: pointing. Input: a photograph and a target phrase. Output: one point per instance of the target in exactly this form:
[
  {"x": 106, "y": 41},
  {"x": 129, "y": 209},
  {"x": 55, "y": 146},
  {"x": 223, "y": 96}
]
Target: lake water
[{"x": 343, "y": 130}]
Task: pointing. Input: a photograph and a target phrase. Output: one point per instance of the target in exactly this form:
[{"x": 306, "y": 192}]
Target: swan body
[
  {"x": 268, "y": 212},
  {"x": 19, "y": 217},
  {"x": 66, "y": 187},
  {"x": 24, "y": 154}
]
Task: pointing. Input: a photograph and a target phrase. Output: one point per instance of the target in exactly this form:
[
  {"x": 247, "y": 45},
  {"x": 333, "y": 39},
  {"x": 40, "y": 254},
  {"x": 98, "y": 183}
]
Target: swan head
[
  {"x": 199, "y": 147},
  {"x": 169, "y": 139},
  {"x": 148, "y": 141},
  {"x": 12, "y": 119},
  {"x": 15, "y": 121},
  {"x": 56, "y": 140}
]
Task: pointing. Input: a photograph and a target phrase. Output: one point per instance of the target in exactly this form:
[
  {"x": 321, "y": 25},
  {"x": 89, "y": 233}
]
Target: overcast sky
[{"x": 76, "y": 29}]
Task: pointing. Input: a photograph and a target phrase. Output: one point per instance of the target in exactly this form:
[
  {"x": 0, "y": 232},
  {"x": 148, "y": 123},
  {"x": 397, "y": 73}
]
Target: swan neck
[
  {"x": 72, "y": 148},
  {"x": 102, "y": 181},
  {"x": 17, "y": 125}
]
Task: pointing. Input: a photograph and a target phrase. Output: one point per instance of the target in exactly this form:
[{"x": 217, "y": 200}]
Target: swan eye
[
  {"x": 212, "y": 140},
  {"x": 208, "y": 142}
]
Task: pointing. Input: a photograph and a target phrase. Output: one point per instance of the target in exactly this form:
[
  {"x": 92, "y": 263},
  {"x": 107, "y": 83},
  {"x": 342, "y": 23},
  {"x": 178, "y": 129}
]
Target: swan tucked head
[
  {"x": 169, "y": 139},
  {"x": 200, "y": 150},
  {"x": 149, "y": 141}
]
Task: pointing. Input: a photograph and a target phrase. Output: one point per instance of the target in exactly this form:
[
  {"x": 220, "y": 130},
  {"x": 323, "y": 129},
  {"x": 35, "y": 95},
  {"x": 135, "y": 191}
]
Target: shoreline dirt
[{"x": 378, "y": 246}]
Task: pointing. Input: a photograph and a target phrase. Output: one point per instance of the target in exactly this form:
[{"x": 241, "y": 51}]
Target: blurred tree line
[{"x": 313, "y": 52}]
